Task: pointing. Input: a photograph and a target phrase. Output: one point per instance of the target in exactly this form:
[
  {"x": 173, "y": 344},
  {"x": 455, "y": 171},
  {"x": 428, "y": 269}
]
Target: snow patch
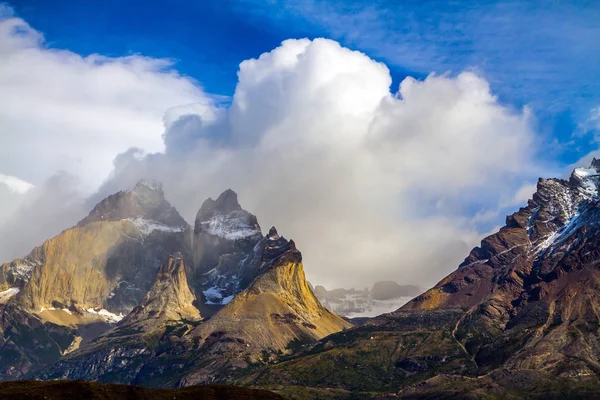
[
  {"x": 7, "y": 294},
  {"x": 23, "y": 270},
  {"x": 585, "y": 172},
  {"x": 213, "y": 295},
  {"x": 230, "y": 226},
  {"x": 151, "y": 185},
  {"x": 146, "y": 226},
  {"x": 588, "y": 180},
  {"x": 109, "y": 317}
]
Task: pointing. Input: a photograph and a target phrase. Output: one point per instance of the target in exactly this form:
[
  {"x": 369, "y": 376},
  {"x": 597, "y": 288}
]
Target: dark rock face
[
  {"x": 27, "y": 342},
  {"x": 225, "y": 257}
]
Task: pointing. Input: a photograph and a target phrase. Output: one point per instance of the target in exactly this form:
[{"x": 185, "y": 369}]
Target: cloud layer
[
  {"x": 371, "y": 183},
  {"x": 59, "y": 110}
]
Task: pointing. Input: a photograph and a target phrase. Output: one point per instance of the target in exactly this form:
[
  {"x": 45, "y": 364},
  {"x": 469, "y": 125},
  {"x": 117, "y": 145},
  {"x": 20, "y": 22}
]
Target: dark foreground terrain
[{"x": 71, "y": 390}]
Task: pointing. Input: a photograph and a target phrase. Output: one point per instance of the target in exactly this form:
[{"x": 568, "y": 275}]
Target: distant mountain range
[
  {"x": 133, "y": 294},
  {"x": 383, "y": 297}
]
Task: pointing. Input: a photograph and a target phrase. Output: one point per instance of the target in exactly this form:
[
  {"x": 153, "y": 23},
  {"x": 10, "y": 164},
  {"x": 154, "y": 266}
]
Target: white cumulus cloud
[
  {"x": 371, "y": 182},
  {"x": 59, "y": 110}
]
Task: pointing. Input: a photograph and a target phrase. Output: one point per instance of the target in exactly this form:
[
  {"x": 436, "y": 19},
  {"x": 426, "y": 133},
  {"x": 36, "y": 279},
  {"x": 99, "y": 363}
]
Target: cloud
[
  {"x": 62, "y": 111},
  {"x": 39, "y": 214},
  {"x": 371, "y": 184}
]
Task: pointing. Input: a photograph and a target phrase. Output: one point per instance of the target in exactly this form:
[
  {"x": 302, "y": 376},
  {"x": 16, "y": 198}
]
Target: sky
[{"x": 386, "y": 138}]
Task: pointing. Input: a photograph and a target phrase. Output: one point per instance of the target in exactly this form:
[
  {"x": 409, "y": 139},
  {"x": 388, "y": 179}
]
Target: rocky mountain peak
[
  {"x": 226, "y": 203},
  {"x": 225, "y": 218},
  {"x": 587, "y": 179},
  {"x": 169, "y": 297},
  {"x": 273, "y": 235},
  {"x": 145, "y": 201},
  {"x": 149, "y": 189}
]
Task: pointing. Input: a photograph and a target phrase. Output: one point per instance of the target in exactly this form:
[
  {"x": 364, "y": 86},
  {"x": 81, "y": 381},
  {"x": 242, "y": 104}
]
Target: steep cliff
[
  {"x": 275, "y": 314},
  {"x": 107, "y": 260},
  {"x": 169, "y": 297},
  {"x": 153, "y": 329},
  {"x": 80, "y": 283},
  {"x": 224, "y": 239}
]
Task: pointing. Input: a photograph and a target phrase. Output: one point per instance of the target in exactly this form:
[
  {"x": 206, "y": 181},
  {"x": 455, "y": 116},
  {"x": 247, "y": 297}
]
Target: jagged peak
[
  {"x": 587, "y": 179},
  {"x": 225, "y": 218},
  {"x": 144, "y": 186},
  {"x": 170, "y": 297},
  {"x": 273, "y": 235},
  {"x": 145, "y": 201},
  {"x": 226, "y": 203}
]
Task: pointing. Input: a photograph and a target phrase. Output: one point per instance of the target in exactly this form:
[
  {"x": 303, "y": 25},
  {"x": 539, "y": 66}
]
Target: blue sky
[{"x": 539, "y": 53}]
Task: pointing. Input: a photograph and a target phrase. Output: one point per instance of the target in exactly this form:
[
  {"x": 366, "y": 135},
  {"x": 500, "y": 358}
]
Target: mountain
[
  {"x": 268, "y": 311},
  {"x": 277, "y": 313},
  {"x": 150, "y": 330},
  {"x": 78, "y": 284},
  {"x": 383, "y": 297},
  {"x": 519, "y": 316},
  {"x": 169, "y": 297},
  {"x": 225, "y": 236},
  {"x": 107, "y": 261}
]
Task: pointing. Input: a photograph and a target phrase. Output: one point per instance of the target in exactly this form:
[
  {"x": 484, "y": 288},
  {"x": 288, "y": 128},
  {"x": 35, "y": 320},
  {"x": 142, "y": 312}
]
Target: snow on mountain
[
  {"x": 384, "y": 297},
  {"x": 214, "y": 295},
  {"x": 232, "y": 226},
  {"x": 148, "y": 226},
  {"x": 7, "y": 294},
  {"x": 109, "y": 317}
]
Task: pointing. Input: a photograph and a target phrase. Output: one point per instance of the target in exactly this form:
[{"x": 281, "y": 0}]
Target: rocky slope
[
  {"x": 169, "y": 298},
  {"x": 383, "y": 297},
  {"x": 275, "y": 315},
  {"x": 277, "y": 312},
  {"x": 520, "y": 312},
  {"x": 107, "y": 261},
  {"x": 150, "y": 330}
]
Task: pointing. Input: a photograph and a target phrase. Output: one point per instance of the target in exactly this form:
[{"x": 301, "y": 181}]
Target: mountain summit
[
  {"x": 225, "y": 236},
  {"x": 145, "y": 202},
  {"x": 169, "y": 297}
]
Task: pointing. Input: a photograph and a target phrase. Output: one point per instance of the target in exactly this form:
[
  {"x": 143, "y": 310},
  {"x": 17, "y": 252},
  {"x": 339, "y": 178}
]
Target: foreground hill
[
  {"x": 520, "y": 317},
  {"x": 75, "y": 390}
]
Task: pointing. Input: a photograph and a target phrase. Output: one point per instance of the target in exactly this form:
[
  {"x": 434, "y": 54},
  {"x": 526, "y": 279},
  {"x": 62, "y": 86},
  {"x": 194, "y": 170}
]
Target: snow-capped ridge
[{"x": 587, "y": 179}]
